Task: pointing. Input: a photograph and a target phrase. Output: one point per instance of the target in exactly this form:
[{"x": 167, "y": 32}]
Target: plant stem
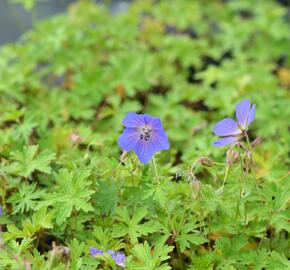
[
  {"x": 155, "y": 170},
  {"x": 225, "y": 177},
  {"x": 202, "y": 220},
  {"x": 241, "y": 185},
  {"x": 245, "y": 218},
  {"x": 75, "y": 223},
  {"x": 180, "y": 257},
  {"x": 248, "y": 140}
]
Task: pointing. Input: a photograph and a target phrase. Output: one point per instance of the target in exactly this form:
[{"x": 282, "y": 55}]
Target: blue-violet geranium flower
[
  {"x": 143, "y": 134},
  {"x": 230, "y": 130},
  {"x": 95, "y": 252},
  {"x": 118, "y": 257}
]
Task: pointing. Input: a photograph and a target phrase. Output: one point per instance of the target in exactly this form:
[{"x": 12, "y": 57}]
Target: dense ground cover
[{"x": 64, "y": 91}]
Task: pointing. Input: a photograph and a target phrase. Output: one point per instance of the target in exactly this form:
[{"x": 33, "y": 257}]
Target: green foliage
[
  {"x": 147, "y": 259},
  {"x": 26, "y": 198},
  {"x": 71, "y": 193},
  {"x": 130, "y": 225},
  {"x": 187, "y": 62},
  {"x": 27, "y": 161}
]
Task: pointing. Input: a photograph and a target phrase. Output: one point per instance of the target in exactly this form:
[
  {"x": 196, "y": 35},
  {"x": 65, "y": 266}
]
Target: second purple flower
[
  {"x": 230, "y": 130},
  {"x": 144, "y": 134}
]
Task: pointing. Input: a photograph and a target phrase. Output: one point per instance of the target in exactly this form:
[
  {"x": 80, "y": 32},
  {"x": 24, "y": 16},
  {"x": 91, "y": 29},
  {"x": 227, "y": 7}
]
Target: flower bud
[
  {"x": 75, "y": 138},
  {"x": 256, "y": 142},
  {"x": 231, "y": 157},
  {"x": 195, "y": 184},
  {"x": 205, "y": 161}
]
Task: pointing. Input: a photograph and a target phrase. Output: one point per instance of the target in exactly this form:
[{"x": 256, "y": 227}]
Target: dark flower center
[{"x": 145, "y": 133}]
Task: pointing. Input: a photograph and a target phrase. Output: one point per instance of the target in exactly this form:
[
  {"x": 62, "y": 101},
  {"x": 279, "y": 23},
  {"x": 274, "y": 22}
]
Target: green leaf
[
  {"x": 131, "y": 226},
  {"x": 107, "y": 197},
  {"x": 29, "y": 160},
  {"x": 72, "y": 194},
  {"x": 189, "y": 236},
  {"x": 147, "y": 258},
  {"x": 26, "y": 198}
]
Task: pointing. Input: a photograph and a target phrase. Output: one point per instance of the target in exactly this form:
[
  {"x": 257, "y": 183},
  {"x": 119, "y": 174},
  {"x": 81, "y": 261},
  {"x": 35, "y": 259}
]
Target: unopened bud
[
  {"x": 195, "y": 188},
  {"x": 123, "y": 156},
  {"x": 205, "y": 161},
  {"x": 256, "y": 142},
  {"x": 75, "y": 138},
  {"x": 231, "y": 156}
]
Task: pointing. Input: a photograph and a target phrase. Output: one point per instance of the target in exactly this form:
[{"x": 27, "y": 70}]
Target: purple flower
[
  {"x": 229, "y": 129},
  {"x": 118, "y": 257},
  {"x": 144, "y": 134},
  {"x": 95, "y": 252},
  {"x": 1, "y": 211}
]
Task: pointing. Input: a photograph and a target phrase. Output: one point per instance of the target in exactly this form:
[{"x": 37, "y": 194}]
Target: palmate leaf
[
  {"x": 72, "y": 193},
  {"x": 24, "y": 130},
  {"x": 189, "y": 236},
  {"x": 76, "y": 252},
  {"x": 28, "y": 160},
  {"x": 278, "y": 261},
  {"x": 7, "y": 261},
  {"x": 26, "y": 198},
  {"x": 229, "y": 250},
  {"x": 104, "y": 239},
  {"x": 202, "y": 262},
  {"x": 39, "y": 221},
  {"x": 147, "y": 258},
  {"x": 258, "y": 259},
  {"x": 107, "y": 197},
  {"x": 131, "y": 226}
]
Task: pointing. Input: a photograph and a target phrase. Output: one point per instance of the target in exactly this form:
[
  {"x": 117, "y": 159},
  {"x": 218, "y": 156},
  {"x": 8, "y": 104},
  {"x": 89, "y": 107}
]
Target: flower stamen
[{"x": 145, "y": 133}]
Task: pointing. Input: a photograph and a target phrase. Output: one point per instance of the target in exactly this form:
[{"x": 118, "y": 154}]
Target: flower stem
[
  {"x": 245, "y": 217},
  {"x": 241, "y": 185},
  {"x": 248, "y": 140},
  {"x": 225, "y": 177},
  {"x": 155, "y": 170}
]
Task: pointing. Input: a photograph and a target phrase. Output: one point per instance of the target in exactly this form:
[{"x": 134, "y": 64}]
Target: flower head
[
  {"x": 95, "y": 252},
  {"x": 118, "y": 257},
  {"x": 143, "y": 134},
  {"x": 229, "y": 129},
  {"x": 1, "y": 211}
]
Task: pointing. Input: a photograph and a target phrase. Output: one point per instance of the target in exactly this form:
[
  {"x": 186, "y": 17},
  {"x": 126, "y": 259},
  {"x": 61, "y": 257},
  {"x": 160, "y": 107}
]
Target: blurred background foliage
[{"x": 188, "y": 62}]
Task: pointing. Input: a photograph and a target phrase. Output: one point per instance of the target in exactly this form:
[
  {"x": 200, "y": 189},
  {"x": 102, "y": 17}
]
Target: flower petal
[
  {"x": 118, "y": 256},
  {"x": 226, "y": 127},
  {"x": 242, "y": 112},
  {"x": 225, "y": 141},
  {"x": 152, "y": 121},
  {"x": 94, "y": 251},
  {"x": 128, "y": 139},
  {"x": 252, "y": 115},
  {"x": 133, "y": 120},
  {"x": 159, "y": 140},
  {"x": 156, "y": 123},
  {"x": 144, "y": 150}
]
